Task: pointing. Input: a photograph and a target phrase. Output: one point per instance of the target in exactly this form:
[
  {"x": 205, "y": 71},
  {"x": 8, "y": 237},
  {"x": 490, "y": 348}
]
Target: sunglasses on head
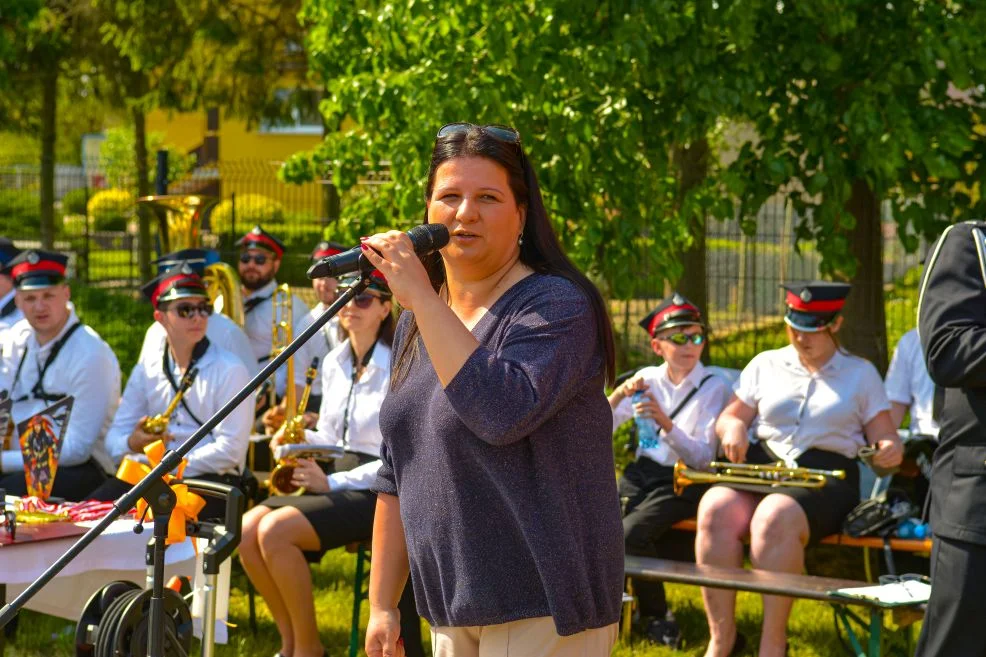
[
  {"x": 186, "y": 310},
  {"x": 682, "y": 339},
  {"x": 258, "y": 259},
  {"x": 501, "y": 132}
]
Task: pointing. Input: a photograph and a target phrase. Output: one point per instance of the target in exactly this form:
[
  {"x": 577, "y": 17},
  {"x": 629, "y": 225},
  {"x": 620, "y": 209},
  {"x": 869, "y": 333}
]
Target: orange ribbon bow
[{"x": 188, "y": 504}]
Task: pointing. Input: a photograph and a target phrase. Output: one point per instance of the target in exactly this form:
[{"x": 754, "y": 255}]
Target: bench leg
[
  {"x": 627, "y": 615},
  {"x": 358, "y": 596},
  {"x": 854, "y": 643},
  {"x": 876, "y": 631}
]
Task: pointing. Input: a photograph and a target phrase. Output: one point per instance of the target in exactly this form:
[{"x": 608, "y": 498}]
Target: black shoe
[{"x": 664, "y": 632}]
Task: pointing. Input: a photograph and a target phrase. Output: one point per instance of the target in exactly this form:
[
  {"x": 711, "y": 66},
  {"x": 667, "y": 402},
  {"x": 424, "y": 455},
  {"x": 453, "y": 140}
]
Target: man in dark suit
[{"x": 952, "y": 326}]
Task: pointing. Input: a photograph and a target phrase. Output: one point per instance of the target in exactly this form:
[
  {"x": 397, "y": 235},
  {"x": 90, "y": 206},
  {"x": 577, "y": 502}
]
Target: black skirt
[
  {"x": 338, "y": 517},
  {"x": 825, "y": 507}
]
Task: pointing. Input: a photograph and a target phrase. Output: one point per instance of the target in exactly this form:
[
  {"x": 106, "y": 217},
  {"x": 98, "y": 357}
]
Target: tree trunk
[
  {"x": 864, "y": 330},
  {"x": 692, "y": 163},
  {"x": 143, "y": 189},
  {"x": 49, "y": 99}
]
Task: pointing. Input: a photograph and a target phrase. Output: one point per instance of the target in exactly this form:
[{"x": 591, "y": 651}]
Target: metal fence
[{"x": 743, "y": 272}]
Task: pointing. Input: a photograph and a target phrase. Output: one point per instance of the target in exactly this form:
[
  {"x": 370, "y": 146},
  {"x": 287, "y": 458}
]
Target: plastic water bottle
[
  {"x": 912, "y": 528},
  {"x": 647, "y": 436}
]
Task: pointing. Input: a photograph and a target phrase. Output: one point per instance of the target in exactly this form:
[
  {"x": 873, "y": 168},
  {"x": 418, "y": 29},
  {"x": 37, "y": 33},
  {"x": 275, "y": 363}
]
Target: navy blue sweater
[{"x": 506, "y": 479}]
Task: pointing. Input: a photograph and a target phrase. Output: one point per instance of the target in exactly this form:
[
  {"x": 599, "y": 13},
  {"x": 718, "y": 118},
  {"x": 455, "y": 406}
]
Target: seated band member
[
  {"x": 222, "y": 332},
  {"x": 260, "y": 259},
  {"x": 813, "y": 402},
  {"x": 910, "y": 388},
  {"x": 282, "y": 532},
  {"x": 182, "y": 307},
  {"x": 684, "y": 399},
  {"x": 328, "y": 337},
  {"x": 51, "y": 354},
  {"x": 10, "y": 314}
]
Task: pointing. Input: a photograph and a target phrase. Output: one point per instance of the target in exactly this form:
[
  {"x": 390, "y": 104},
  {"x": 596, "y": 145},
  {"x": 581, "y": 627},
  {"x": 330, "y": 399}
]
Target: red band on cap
[
  {"x": 263, "y": 239},
  {"x": 173, "y": 281},
  {"x": 660, "y": 317},
  {"x": 39, "y": 266},
  {"x": 795, "y": 302}
]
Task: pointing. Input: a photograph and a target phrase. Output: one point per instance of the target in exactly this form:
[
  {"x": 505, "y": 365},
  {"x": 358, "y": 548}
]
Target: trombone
[{"x": 775, "y": 474}]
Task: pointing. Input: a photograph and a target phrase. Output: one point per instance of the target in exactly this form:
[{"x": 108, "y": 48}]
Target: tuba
[
  {"x": 159, "y": 423},
  {"x": 294, "y": 435},
  {"x": 777, "y": 474},
  {"x": 180, "y": 222}
]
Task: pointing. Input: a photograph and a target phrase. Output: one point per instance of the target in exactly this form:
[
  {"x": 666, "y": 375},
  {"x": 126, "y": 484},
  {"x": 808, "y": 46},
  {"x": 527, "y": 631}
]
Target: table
[{"x": 118, "y": 553}]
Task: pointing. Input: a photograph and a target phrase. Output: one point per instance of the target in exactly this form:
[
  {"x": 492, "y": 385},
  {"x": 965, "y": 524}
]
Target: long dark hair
[{"x": 539, "y": 250}]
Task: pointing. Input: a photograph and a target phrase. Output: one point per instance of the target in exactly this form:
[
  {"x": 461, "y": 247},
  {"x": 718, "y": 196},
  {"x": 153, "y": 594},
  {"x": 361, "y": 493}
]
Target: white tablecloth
[{"x": 118, "y": 553}]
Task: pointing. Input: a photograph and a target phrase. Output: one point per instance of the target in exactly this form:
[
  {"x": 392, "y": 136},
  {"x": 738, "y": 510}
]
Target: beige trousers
[{"x": 531, "y": 637}]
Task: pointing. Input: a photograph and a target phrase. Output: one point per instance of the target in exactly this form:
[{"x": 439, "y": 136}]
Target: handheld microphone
[{"x": 426, "y": 239}]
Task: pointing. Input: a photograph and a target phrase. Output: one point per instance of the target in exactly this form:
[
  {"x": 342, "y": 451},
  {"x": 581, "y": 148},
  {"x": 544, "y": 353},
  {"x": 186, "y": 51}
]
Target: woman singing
[
  {"x": 498, "y": 485},
  {"x": 283, "y": 534},
  {"x": 812, "y": 402}
]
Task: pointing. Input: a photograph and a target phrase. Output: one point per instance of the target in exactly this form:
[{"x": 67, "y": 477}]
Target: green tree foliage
[
  {"x": 590, "y": 87},
  {"x": 853, "y": 103}
]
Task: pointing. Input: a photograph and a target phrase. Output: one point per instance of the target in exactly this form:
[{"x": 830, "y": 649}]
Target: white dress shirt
[
  {"x": 259, "y": 329},
  {"x": 10, "y": 314},
  {"x": 320, "y": 345},
  {"x": 148, "y": 393},
  {"x": 85, "y": 368},
  {"x": 221, "y": 331},
  {"x": 909, "y": 383},
  {"x": 363, "y": 433},
  {"x": 801, "y": 410},
  {"x": 693, "y": 436}
]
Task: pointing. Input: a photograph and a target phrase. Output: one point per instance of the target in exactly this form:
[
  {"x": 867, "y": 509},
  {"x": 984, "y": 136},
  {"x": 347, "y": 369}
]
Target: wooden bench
[{"x": 765, "y": 582}]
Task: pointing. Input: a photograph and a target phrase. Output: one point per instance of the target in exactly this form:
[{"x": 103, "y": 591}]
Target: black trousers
[
  {"x": 651, "y": 509},
  {"x": 953, "y": 623},
  {"x": 72, "y": 482},
  {"x": 215, "y": 508}
]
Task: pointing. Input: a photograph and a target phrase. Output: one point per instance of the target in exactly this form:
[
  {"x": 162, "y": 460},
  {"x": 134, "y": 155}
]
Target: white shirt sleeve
[
  {"x": 698, "y": 449},
  {"x": 359, "y": 478},
  {"x": 747, "y": 388},
  {"x": 132, "y": 408},
  {"x": 227, "y": 452},
  {"x": 872, "y": 396},
  {"x": 622, "y": 412},
  {"x": 95, "y": 384},
  {"x": 898, "y": 382}
]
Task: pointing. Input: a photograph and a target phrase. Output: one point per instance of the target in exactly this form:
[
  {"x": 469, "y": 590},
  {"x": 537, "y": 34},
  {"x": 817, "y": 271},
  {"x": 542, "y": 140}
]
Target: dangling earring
[{"x": 520, "y": 240}]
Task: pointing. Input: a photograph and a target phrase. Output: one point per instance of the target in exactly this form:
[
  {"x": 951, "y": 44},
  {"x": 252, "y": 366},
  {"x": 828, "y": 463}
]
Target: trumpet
[
  {"x": 159, "y": 423},
  {"x": 294, "y": 437},
  {"x": 775, "y": 474}
]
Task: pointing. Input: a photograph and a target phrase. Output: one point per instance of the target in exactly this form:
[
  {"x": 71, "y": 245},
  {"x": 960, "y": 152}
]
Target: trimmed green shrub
[
  {"x": 251, "y": 209},
  {"x": 74, "y": 202},
  {"x": 20, "y": 212},
  {"x": 111, "y": 209}
]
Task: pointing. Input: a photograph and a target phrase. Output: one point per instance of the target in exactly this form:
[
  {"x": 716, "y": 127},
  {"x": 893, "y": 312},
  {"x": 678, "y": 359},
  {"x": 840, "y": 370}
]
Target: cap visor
[
  {"x": 39, "y": 282},
  {"x": 807, "y": 322}
]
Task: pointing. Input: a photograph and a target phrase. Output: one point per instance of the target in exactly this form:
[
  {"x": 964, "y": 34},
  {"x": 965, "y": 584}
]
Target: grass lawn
[{"x": 810, "y": 629}]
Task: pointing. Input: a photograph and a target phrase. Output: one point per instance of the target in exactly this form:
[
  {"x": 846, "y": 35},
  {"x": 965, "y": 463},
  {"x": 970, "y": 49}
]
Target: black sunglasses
[
  {"x": 501, "y": 132},
  {"x": 364, "y": 300},
  {"x": 259, "y": 259},
  {"x": 186, "y": 310},
  {"x": 682, "y": 339}
]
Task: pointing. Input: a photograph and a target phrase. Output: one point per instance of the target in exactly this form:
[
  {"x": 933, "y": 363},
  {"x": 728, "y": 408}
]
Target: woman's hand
[
  {"x": 308, "y": 475},
  {"x": 277, "y": 438},
  {"x": 889, "y": 452},
  {"x": 735, "y": 442},
  {"x": 393, "y": 254},
  {"x": 383, "y": 633}
]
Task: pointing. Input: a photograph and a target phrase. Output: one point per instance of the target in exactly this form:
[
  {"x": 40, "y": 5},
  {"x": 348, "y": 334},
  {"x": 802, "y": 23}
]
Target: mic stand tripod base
[{"x": 161, "y": 500}]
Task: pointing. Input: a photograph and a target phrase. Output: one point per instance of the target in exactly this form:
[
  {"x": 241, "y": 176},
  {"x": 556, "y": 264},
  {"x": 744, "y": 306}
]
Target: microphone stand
[{"x": 159, "y": 496}]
